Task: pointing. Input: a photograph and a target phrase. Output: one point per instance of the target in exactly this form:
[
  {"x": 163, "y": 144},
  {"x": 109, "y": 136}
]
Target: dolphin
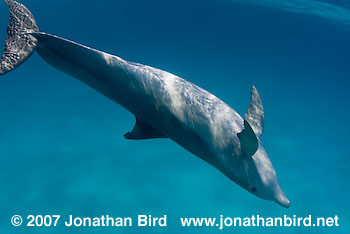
[{"x": 164, "y": 105}]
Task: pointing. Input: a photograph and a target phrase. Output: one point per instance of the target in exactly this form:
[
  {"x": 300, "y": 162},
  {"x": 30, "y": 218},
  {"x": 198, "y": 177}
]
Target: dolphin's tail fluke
[{"x": 19, "y": 44}]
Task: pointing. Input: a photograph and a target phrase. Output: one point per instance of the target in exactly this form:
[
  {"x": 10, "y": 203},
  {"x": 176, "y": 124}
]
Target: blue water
[{"x": 62, "y": 149}]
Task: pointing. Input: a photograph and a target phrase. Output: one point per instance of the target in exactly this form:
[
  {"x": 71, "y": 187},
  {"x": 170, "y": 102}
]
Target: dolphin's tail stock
[{"x": 19, "y": 44}]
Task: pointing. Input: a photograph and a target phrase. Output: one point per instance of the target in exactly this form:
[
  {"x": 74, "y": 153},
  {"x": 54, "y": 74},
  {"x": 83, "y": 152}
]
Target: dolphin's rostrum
[{"x": 165, "y": 105}]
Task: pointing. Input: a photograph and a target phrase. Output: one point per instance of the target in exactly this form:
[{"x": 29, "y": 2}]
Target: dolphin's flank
[{"x": 165, "y": 105}]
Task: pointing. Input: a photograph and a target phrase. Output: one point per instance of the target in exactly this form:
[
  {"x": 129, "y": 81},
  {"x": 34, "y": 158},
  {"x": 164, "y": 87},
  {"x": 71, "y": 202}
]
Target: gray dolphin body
[{"x": 165, "y": 106}]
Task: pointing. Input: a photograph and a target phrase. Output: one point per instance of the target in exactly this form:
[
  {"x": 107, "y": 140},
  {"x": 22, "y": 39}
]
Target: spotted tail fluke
[{"x": 19, "y": 44}]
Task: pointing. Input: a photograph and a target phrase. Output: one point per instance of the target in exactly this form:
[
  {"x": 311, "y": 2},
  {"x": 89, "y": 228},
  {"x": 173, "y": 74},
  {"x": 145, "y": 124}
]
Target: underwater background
[{"x": 62, "y": 149}]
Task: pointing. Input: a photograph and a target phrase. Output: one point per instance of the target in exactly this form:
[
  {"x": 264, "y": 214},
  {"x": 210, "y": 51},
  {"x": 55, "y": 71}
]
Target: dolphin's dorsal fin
[
  {"x": 255, "y": 113},
  {"x": 142, "y": 131},
  {"x": 248, "y": 139}
]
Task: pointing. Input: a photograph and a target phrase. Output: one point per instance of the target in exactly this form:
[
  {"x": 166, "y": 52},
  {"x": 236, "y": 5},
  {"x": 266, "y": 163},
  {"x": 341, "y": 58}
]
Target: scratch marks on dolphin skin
[
  {"x": 173, "y": 86},
  {"x": 309, "y": 7},
  {"x": 193, "y": 106},
  {"x": 197, "y": 108},
  {"x": 112, "y": 60}
]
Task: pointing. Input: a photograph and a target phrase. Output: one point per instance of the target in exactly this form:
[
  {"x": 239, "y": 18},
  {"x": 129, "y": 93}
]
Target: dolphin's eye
[{"x": 253, "y": 189}]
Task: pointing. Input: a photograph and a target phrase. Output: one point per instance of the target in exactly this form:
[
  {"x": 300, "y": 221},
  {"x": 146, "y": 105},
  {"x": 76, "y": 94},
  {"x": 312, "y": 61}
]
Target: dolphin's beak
[
  {"x": 282, "y": 199},
  {"x": 285, "y": 202}
]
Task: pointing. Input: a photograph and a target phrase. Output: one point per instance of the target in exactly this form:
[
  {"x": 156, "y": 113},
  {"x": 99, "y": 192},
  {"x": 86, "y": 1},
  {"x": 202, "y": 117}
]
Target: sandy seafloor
[{"x": 62, "y": 149}]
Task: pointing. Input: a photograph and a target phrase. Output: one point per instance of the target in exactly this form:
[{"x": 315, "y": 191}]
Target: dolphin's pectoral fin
[
  {"x": 248, "y": 139},
  {"x": 255, "y": 113},
  {"x": 142, "y": 131}
]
